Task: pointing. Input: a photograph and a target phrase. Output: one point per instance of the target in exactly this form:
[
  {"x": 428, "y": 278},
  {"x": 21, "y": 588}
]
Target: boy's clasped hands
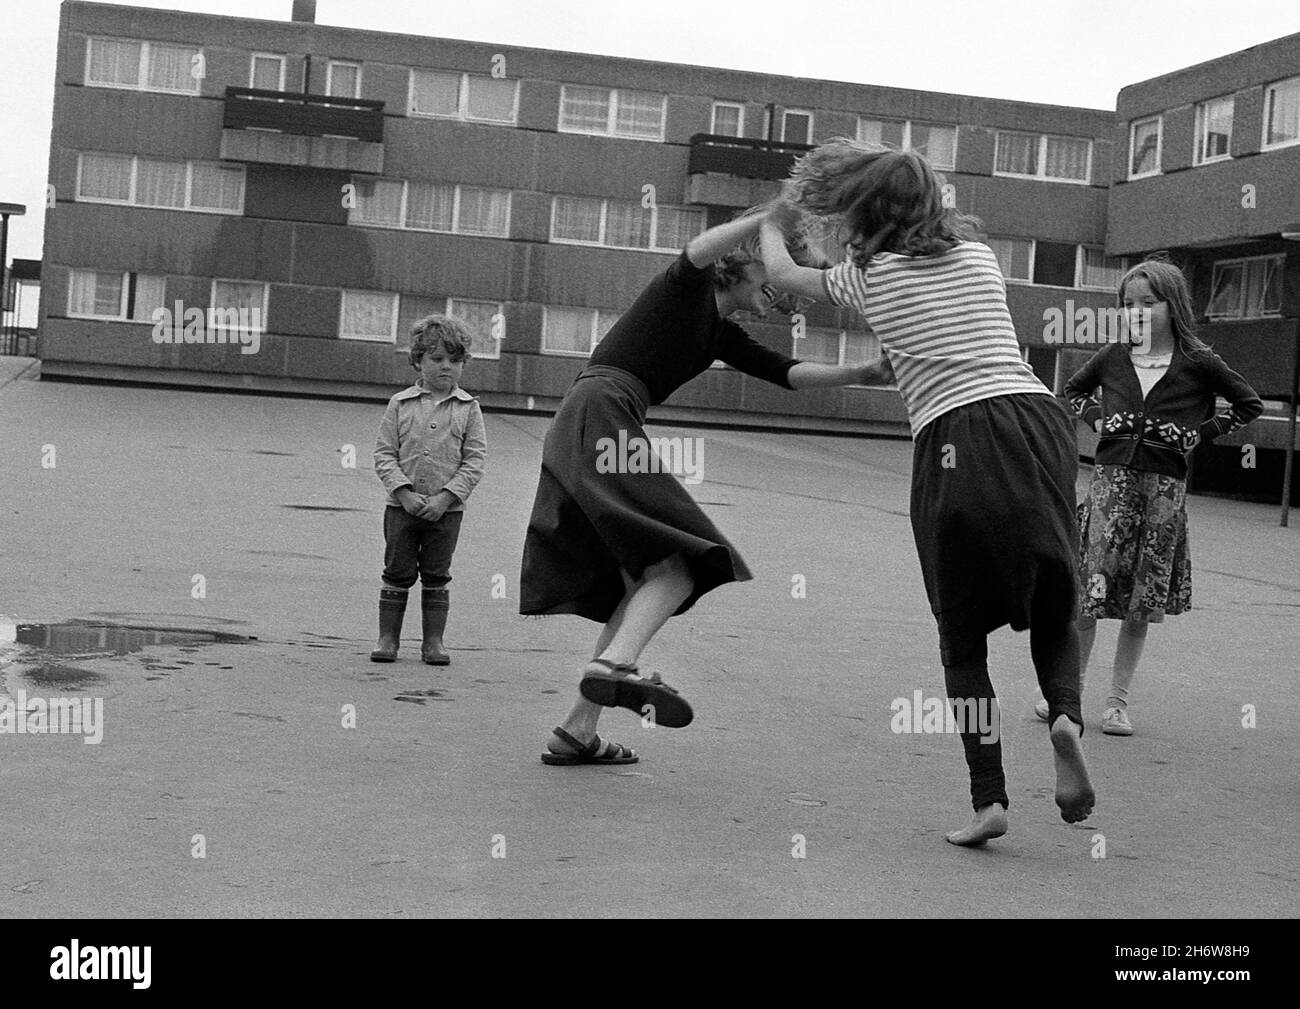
[{"x": 429, "y": 508}]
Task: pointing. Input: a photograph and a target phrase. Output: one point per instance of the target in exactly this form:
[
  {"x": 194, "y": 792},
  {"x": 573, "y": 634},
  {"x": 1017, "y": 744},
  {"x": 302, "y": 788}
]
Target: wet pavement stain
[
  {"x": 57, "y": 677},
  {"x": 320, "y": 508},
  {"x": 287, "y": 553}
]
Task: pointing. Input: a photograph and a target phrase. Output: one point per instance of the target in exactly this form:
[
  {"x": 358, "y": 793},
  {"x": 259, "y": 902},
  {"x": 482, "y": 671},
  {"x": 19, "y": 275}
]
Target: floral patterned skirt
[{"x": 1134, "y": 558}]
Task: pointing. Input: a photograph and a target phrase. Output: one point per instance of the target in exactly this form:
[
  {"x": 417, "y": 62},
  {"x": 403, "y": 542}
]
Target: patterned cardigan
[{"x": 1157, "y": 433}]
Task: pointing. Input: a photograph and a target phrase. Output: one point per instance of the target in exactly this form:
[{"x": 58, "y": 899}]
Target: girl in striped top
[{"x": 994, "y": 458}]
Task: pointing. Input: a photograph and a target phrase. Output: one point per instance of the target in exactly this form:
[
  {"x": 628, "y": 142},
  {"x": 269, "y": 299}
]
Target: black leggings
[{"x": 1054, "y": 648}]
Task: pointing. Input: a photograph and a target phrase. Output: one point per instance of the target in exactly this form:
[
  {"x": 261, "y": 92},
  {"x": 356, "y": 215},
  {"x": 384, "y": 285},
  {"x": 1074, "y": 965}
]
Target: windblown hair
[
  {"x": 440, "y": 331},
  {"x": 1169, "y": 284},
  {"x": 867, "y": 187}
]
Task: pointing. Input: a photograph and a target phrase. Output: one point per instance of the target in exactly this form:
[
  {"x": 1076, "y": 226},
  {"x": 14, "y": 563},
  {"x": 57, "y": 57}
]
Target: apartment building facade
[
  {"x": 320, "y": 188},
  {"x": 1209, "y": 173}
]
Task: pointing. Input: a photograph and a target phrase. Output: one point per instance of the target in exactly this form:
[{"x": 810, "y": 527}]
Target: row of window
[
  {"x": 363, "y": 315},
  {"x": 216, "y": 187},
  {"x": 384, "y": 317},
  {"x": 1244, "y": 288},
  {"x": 212, "y": 187},
  {"x": 1059, "y": 264},
  {"x": 1213, "y": 129},
  {"x": 598, "y": 111}
]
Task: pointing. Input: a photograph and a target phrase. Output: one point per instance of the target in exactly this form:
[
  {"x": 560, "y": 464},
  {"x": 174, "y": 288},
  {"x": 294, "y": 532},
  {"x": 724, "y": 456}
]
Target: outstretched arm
[{"x": 809, "y": 375}]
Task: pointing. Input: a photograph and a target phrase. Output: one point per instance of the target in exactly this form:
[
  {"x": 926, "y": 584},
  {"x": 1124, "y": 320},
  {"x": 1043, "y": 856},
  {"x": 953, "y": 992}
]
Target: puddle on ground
[
  {"x": 51, "y": 676},
  {"x": 87, "y": 637}
]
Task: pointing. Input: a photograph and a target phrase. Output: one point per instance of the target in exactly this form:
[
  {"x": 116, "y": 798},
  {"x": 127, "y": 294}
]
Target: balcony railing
[
  {"x": 307, "y": 115},
  {"x": 742, "y": 157}
]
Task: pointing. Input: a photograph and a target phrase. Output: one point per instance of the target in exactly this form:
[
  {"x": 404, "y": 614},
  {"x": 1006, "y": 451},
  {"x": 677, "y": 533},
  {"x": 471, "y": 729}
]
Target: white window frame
[
  {"x": 120, "y": 316},
  {"x": 462, "y": 99},
  {"x": 1160, "y": 146},
  {"x": 713, "y": 120},
  {"x": 907, "y": 136},
  {"x": 261, "y": 313},
  {"x": 1244, "y": 262},
  {"x": 1268, "y": 101},
  {"x": 611, "y": 115},
  {"x": 142, "y": 73},
  {"x": 189, "y": 187},
  {"x": 392, "y": 325},
  {"x": 595, "y": 328},
  {"x": 499, "y": 309},
  {"x": 1080, "y": 261},
  {"x": 1041, "y": 159},
  {"x": 603, "y": 243},
  {"x": 252, "y": 64},
  {"x": 1199, "y": 130},
  {"x": 329, "y": 77},
  {"x": 1033, "y": 248},
  {"x": 455, "y": 210},
  {"x": 812, "y": 129}
]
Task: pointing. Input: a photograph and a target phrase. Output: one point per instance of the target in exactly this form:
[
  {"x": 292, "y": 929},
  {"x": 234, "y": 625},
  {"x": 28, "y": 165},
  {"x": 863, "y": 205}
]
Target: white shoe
[{"x": 1115, "y": 723}]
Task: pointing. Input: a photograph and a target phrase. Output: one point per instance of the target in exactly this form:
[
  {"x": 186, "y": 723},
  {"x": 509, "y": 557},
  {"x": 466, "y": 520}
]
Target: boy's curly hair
[
  {"x": 440, "y": 331},
  {"x": 868, "y": 187}
]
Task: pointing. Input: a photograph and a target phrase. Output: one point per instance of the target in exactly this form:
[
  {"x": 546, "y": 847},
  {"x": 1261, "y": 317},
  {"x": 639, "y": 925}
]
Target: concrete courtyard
[{"x": 435, "y": 802}]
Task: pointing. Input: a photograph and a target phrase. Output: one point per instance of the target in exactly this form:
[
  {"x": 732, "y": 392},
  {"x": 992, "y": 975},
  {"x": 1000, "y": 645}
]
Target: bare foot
[
  {"x": 1074, "y": 792},
  {"x": 988, "y": 822}
]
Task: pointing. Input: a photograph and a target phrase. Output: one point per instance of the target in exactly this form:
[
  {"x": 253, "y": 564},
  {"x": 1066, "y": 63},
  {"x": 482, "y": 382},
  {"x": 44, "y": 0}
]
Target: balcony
[
  {"x": 737, "y": 171},
  {"x": 291, "y": 128}
]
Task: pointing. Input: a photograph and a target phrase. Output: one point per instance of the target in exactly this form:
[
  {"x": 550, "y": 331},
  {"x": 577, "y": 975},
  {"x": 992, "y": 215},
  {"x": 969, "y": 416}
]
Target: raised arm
[
  {"x": 782, "y": 271},
  {"x": 717, "y": 242}
]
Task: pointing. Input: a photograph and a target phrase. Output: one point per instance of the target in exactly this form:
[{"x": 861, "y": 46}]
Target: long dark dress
[{"x": 587, "y": 524}]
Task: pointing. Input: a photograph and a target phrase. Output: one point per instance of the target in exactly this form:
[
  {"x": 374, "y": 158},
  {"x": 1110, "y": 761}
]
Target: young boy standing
[{"x": 429, "y": 456}]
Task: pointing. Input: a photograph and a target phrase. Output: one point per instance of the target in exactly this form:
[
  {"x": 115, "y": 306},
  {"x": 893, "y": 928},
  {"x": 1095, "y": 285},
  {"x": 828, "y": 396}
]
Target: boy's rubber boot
[
  {"x": 433, "y": 606},
  {"x": 392, "y": 608}
]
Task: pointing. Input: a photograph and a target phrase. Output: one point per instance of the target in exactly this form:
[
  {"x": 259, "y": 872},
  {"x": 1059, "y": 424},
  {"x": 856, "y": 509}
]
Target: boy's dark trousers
[{"x": 416, "y": 548}]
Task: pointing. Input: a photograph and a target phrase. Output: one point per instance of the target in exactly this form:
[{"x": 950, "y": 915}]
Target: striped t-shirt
[{"x": 943, "y": 324}]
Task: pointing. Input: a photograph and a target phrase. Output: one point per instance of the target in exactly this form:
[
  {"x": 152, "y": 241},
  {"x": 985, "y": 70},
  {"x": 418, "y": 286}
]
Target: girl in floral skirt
[{"x": 1158, "y": 390}]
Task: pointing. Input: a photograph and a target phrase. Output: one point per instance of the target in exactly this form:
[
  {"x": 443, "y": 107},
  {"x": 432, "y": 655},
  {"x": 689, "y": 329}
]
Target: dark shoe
[
  {"x": 433, "y": 606},
  {"x": 596, "y": 752},
  {"x": 392, "y": 608},
  {"x": 620, "y": 686}
]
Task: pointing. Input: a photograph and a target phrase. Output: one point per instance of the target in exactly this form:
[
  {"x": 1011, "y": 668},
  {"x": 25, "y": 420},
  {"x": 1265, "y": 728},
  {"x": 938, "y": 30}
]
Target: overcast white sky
[{"x": 1066, "y": 52}]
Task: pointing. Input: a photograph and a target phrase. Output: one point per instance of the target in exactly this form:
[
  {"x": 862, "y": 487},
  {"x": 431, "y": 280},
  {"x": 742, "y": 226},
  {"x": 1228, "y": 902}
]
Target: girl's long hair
[
  {"x": 1169, "y": 284},
  {"x": 867, "y": 187}
]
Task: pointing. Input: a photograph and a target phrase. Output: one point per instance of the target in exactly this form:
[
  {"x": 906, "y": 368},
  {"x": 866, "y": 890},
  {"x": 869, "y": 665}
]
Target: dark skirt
[
  {"x": 993, "y": 513},
  {"x": 587, "y": 525},
  {"x": 1135, "y": 561}
]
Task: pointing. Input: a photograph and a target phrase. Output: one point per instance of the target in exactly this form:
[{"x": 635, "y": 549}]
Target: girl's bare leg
[
  {"x": 645, "y": 608},
  {"x": 1128, "y": 653}
]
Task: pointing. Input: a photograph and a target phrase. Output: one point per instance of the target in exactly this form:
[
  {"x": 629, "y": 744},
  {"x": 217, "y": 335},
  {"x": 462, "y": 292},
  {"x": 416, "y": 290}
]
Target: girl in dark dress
[{"x": 630, "y": 549}]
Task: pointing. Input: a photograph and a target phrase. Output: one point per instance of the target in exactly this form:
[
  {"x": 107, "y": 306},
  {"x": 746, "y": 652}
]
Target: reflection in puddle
[{"x": 82, "y": 637}]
